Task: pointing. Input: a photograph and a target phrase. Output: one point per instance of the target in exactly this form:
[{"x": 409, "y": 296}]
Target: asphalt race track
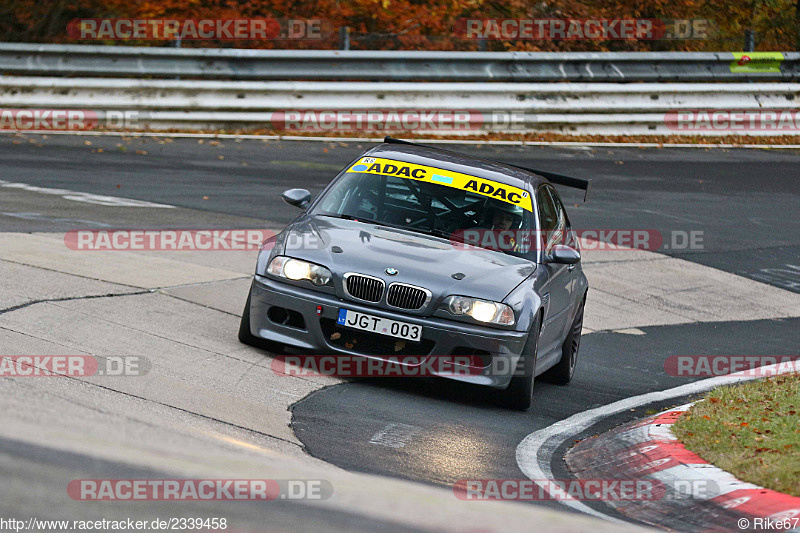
[
  {"x": 740, "y": 199},
  {"x": 213, "y": 407}
]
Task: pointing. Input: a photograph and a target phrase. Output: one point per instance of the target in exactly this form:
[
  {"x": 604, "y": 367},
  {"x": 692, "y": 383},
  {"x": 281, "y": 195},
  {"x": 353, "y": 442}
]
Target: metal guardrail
[
  {"x": 332, "y": 65},
  {"x": 243, "y": 96},
  {"x": 587, "y": 108}
]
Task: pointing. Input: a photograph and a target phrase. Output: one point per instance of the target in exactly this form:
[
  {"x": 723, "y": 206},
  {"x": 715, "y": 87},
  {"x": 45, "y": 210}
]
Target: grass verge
[{"x": 751, "y": 430}]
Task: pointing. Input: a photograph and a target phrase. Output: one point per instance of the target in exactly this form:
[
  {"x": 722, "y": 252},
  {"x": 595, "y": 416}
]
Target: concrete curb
[{"x": 697, "y": 495}]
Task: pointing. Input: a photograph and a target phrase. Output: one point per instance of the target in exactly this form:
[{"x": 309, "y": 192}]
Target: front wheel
[
  {"x": 562, "y": 373},
  {"x": 519, "y": 394}
]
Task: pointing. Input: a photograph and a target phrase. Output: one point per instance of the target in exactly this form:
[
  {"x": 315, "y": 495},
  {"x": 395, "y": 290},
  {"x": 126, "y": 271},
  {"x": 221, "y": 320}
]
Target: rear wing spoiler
[{"x": 558, "y": 179}]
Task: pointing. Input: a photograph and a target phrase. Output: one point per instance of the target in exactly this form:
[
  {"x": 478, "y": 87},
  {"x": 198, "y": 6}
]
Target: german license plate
[{"x": 382, "y": 326}]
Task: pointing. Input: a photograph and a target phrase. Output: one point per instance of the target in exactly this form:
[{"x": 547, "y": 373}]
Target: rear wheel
[
  {"x": 519, "y": 394},
  {"x": 247, "y": 337},
  {"x": 562, "y": 373}
]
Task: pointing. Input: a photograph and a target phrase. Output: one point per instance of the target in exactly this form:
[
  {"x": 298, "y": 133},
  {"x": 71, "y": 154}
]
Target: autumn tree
[{"x": 422, "y": 24}]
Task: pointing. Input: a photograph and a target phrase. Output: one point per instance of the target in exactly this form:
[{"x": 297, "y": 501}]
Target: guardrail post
[
  {"x": 344, "y": 38},
  {"x": 749, "y": 41}
]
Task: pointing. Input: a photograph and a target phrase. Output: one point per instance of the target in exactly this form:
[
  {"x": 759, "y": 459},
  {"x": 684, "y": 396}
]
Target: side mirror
[
  {"x": 564, "y": 255},
  {"x": 297, "y": 197}
]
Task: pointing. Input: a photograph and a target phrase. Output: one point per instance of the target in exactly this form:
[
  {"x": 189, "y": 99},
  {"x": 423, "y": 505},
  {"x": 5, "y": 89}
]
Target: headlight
[
  {"x": 480, "y": 310},
  {"x": 295, "y": 269}
]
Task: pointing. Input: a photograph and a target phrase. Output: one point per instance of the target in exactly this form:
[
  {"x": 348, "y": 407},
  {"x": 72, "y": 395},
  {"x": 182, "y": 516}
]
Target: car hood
[{"x": 422, "y": 260}]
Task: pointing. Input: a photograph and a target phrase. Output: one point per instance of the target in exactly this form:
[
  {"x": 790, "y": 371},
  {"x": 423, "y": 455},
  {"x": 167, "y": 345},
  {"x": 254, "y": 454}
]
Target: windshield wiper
[
  {"x": 442, "y": 234},
  {"x": 360, "y": 219},
  {"x": 459, "y": 237},
  {"x": 435, "y": 233},
  {"x": 432, "y": 232}
]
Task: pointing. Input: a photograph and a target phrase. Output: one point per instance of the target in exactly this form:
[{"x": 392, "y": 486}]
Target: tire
[
  {"x": 562, "y": 373},
  {"x": 519, "y": 394},
  {"x": 247, "y": 337}
]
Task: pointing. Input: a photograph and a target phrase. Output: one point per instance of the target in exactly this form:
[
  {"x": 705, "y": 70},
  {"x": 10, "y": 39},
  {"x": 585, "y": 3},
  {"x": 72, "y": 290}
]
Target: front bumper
[{"x": 499, "y": 349}]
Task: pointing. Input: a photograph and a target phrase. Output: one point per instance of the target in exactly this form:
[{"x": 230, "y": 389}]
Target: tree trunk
[{"x": 797, "y": 25}]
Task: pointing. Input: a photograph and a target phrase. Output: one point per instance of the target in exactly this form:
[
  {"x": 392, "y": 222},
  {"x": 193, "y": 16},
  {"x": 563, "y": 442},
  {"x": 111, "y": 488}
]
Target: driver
[{"x": 505, "y": 217}]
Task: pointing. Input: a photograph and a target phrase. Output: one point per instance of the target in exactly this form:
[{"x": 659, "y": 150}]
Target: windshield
[{"x": 427, "y": 207}]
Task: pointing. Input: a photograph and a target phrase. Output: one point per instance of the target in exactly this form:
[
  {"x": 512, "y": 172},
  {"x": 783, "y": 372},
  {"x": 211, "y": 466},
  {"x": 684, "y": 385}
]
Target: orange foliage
[{"x": 420, "y": 24}]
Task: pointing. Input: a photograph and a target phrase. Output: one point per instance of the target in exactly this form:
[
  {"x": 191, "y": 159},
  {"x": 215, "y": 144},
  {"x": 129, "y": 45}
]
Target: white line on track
[
  {"x": 380, "y": 139},
  {"x": 535, "y": 452},
  {"x": 85, "y": 197}
]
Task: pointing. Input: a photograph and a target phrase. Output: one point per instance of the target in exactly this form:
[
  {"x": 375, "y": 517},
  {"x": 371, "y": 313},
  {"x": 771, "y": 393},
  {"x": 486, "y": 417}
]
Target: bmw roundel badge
[{"x": 391, "y": 271}]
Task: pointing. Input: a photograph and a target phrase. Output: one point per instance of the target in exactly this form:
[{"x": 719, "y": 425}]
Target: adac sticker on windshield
[{"x": 456, "y": 180}]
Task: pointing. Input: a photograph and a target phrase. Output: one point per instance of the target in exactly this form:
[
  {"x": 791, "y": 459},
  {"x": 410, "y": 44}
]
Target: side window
[
  {"x": 561, "y": 233},
  {"x": 563, "y": 222},
  {"x": 548, "y": 218},
  {"x": 547, "y": 210}
]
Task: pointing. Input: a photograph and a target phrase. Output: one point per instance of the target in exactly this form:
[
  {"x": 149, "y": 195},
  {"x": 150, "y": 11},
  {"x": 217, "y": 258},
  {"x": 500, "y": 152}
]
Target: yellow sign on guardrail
[{"x": 749, "y": 62}]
